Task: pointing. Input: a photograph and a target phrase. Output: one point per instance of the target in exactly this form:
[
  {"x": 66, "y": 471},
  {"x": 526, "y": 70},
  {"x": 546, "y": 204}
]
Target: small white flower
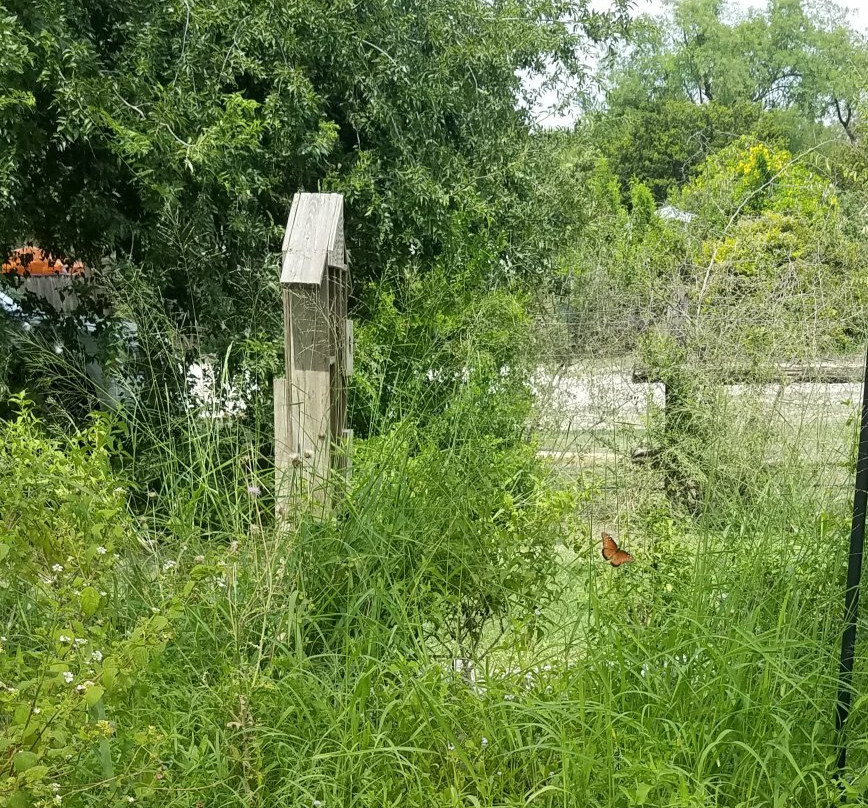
[
  {"x": 484, "y": 742},
  {"x": 58, "y": 799},
  {"x": 199, "y": 559},
  {"x": 3, "y": 639},
  {"x": 37, "y": 710},
  {"x": 152, "y": 494},
  {"x": 57, "y": 568},
  {"x": 101, "y": 550},
  {"x": 68, "y": 676},
  {"x": 644, "y": 672},
  {"x": 103, "y": 593},
  {"x": 254, "y": 490},
  {"x": 131, "y": 799},
  {"x": 79, "y": 641},
  {"x": 509, "y": 697},
  {"x": 63, "y": 638},
  {"x": 120, "y": 490},
  {"x": 96, "y": 656},
  {"x": 55, "y": 786},
  {"x": 317, "y": 803},
  {"x": 169, "y": 565},
  {"x": 79, "y": 688},
  {"x": 537, "y": 612},
  {"x": 450, "y": 747},
  {"x": 547, "y": 667},
  {"x": 58, "y": 348}
]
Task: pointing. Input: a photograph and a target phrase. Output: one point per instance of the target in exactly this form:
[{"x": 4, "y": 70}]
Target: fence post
[{"x": 310, "y": 401}]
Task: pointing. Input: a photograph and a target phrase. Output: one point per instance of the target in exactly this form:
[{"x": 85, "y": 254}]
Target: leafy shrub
[{"x": 73, "y": 642}]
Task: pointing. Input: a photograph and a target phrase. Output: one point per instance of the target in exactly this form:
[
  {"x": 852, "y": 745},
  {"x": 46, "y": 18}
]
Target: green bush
[{"x": 74, "y": 643}]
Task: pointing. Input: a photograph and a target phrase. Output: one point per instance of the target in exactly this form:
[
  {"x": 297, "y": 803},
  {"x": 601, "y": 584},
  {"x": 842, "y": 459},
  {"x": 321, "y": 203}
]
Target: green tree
[
  {"x": 698, "y": 77},
  {"x": 172, "y": 135}
]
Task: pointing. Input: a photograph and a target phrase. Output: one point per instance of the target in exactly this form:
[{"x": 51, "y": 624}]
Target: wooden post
[{"x": 310, "y": 403}]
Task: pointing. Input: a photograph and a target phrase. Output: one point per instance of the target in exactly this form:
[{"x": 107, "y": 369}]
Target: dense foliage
[
  {"x": 445, "y": 633},
  {"x": 695, "y": 79},
  {"x": 173, "y": 136}
]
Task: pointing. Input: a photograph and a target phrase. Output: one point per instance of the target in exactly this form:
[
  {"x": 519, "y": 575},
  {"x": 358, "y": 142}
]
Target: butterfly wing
[{"x": 614, "y": 554}]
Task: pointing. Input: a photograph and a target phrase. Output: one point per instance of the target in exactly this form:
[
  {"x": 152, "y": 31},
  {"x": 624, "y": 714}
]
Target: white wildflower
[
  {"x": 64, "y": 639},
  {"x": 484, "y": 742},
  {"x": 57, "y": 568},
  {"x": 79, "y": 641},
  {"x": 101, "y": 550},
  {"x": 96, "y": 656},
  {"x": 68, "y": 676},
  {"x": 169, "y": 565}
]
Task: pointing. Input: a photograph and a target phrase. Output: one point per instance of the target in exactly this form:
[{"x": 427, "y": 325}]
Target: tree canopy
[
  {"x": 695, "y": 78},
  {"x": 172, "y": 135}
]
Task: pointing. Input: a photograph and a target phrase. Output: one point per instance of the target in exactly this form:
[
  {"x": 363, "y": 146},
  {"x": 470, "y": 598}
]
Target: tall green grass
[{"x": 315, "y": 665}]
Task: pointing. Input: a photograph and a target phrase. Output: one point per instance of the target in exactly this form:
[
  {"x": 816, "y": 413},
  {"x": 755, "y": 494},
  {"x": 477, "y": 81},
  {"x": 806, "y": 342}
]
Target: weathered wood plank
[
  {"x": 348, "y": 348},
  {"x": 311, "y": 237},
  {"x": 283, "y": 467},
  {"x": 309, "y": 430},
  {"x": 308, "y": 329}
]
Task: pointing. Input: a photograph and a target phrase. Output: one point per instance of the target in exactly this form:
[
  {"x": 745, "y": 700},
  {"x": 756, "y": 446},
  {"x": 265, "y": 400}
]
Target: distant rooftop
[
  {"x": 36, "y": 262},
  {"x": 671, "y": 213}
]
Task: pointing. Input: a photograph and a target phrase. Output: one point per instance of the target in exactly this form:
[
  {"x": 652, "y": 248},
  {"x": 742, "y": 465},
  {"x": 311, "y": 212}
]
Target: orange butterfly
[{"x": 614, "y": 554}]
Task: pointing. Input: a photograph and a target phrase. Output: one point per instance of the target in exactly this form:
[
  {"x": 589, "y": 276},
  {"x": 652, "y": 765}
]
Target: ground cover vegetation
[{"x": 450, "y": 636}]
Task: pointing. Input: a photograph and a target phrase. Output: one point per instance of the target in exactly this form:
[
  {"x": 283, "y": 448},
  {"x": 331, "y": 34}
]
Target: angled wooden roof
[{"x": 314, "y": 238}]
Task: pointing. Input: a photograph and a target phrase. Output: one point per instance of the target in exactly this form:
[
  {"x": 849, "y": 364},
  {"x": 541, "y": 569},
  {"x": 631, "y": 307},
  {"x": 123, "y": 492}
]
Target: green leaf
[
  {"x": 109, "y": 674},
  {"x": 24, "y": 760},
  {"x": 93, "y": 694},
  {"x": 19, "y": 799},
  {"x": 90, "y": 600},
  {"x": 21, "y": 714},
  {"x": 642, "y": 792},
  {"x": 35, "y": 773},
  {"x": 4, "y": 550}
]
